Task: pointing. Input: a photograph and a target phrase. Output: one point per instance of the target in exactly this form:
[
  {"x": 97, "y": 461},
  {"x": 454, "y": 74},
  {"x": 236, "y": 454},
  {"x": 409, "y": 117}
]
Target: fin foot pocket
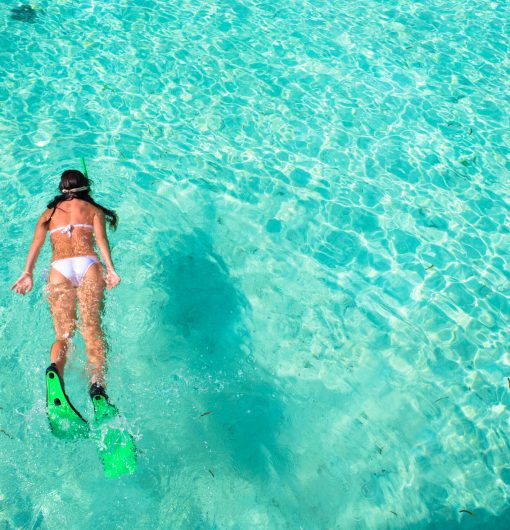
[{"x": 65, "y": 421}]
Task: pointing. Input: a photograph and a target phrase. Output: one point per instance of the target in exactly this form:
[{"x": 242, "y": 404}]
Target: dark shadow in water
[
  {"x": 210, "y": 313},
  {"x": 24, "y": 13}
]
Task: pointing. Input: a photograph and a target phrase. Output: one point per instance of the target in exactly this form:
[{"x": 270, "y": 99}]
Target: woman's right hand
[
  {"x": 24, "y": 284},
  {"x": 112, "y": 279}
]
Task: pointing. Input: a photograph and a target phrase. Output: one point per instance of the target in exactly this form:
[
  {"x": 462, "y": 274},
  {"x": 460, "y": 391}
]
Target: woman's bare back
[{"x": 81, "y": 242}]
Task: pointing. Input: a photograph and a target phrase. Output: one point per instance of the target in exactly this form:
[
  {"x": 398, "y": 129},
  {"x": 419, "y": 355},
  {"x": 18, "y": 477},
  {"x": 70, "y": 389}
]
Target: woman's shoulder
[
  {"x": 45, "y": 218},
  {"x": 97, "y": 211},
  {"x": 92, "y": 210},
  {"x": 46, "y": 215}
]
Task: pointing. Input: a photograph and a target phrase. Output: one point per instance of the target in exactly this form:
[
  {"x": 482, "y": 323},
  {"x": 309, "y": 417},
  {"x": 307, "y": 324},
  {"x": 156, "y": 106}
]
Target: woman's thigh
[
  {"x": 90, "y": 300},
  {"x": 62, "y": 300}
]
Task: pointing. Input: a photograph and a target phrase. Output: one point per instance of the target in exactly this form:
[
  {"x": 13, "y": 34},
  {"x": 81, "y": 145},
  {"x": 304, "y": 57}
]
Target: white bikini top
[{"x": 67, "y": 229}]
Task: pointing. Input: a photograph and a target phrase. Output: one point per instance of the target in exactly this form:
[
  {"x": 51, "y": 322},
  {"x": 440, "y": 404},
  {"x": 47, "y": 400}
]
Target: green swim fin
[
  {"x": 115, "y": 444},
  {"x": 65, "y": 421}
]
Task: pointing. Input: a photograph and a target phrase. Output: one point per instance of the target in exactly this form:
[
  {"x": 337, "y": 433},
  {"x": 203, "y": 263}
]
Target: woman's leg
[
  {"x": 90, "y": 299},
  {"x": 62, "y": 300}
]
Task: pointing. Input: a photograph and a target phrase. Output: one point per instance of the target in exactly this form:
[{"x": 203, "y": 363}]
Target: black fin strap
[{"x": 97, "y": 390}]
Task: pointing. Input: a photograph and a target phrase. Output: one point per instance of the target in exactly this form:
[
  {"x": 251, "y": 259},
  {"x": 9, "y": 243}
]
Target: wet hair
[{"x": 72, "y": 179}]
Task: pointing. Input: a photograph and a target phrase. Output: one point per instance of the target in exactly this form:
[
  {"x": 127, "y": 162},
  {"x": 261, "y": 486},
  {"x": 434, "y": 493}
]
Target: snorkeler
[
  {"x": 76, "y": 276},
  {"x": 73, "y": 218}
]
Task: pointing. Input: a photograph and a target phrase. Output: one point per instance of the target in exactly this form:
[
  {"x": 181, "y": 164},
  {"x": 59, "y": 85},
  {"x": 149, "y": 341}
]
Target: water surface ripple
[{"x": 312, "y": 328}]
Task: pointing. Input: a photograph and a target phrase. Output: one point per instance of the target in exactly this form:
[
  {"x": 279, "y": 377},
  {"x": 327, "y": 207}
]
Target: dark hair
[{"x": 72, "y": 179}]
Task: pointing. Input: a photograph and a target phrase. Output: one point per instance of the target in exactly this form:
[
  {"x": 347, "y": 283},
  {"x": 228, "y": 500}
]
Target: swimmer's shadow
[{"x": 210, "y": 312}]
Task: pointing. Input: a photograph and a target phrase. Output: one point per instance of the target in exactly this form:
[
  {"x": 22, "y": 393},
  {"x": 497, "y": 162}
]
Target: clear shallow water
[{"x": 314, "y": 247}]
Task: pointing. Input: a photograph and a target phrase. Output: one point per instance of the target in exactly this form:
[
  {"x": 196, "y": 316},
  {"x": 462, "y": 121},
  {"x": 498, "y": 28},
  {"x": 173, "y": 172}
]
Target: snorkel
[{"x": 84, "y": 167}]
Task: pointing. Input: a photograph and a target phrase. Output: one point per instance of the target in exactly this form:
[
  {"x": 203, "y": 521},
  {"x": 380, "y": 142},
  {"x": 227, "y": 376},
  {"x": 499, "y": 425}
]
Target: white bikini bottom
[{"x": 74, "y": 269}]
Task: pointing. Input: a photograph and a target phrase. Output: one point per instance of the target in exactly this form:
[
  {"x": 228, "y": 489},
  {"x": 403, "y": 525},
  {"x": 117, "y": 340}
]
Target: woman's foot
[{"x": 103, "y": 408}]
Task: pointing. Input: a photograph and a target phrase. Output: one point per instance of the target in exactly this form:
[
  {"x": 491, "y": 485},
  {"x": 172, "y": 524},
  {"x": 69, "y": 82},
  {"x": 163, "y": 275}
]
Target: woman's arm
[
  {"x": 25, "y": 282},
  {"x": 112, "y": 278}
]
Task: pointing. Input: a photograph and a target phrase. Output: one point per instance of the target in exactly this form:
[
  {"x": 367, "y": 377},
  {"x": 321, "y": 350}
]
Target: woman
[{"x": 76, "y": 274}]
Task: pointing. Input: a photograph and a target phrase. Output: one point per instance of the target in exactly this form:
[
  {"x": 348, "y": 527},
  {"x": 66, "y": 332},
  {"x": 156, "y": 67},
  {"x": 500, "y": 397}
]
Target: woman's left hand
[
  {"x": 23, "y": 284},
  {"x": 112, "y": 279}
]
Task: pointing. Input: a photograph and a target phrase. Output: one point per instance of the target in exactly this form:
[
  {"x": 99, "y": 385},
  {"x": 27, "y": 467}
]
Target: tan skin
[{"x": 62, "y": 295}]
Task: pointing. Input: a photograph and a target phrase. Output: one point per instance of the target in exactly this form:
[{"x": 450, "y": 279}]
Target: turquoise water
[{"x": 314, "y": 248}]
